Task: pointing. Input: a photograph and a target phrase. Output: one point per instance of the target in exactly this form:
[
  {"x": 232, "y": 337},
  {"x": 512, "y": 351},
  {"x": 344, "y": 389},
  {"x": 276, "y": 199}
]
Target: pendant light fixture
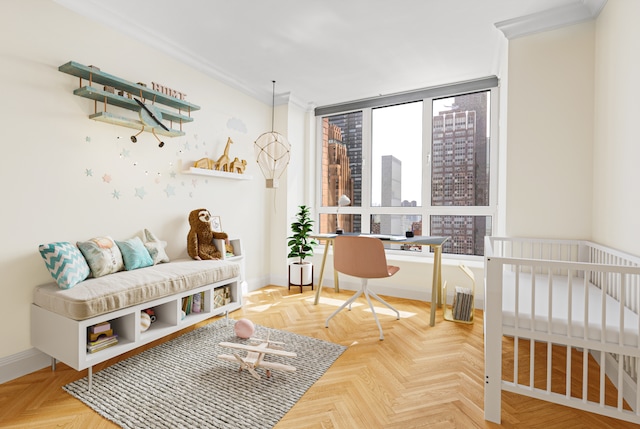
[{"x": 272, "y": 150}]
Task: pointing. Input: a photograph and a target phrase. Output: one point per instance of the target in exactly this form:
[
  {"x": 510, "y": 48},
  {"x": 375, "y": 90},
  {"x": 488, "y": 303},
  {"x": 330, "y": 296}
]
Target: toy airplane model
[{"x": 255, "y": 356}]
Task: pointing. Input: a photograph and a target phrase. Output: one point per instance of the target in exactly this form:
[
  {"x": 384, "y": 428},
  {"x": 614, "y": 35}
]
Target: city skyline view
[{"x": 457, "y": 159}]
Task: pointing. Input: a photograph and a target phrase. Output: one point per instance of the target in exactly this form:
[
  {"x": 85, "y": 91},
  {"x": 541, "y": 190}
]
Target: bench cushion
[{"x": 96, "y": 296}]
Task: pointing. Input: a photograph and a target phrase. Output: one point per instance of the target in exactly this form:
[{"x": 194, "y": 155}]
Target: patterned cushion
[
  {"x": 134, "y": 253},
  {"x": 102, "y": 255},
  {"x": 65, "y": 263},
  {"x": 155, "y": 247}
]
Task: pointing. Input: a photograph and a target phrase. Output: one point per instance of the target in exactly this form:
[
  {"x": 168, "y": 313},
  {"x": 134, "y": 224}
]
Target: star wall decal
[
  {"x": 106, "y": 178},
  {"x": 87, "y": 139},
  {"x": 115, "y": 194},
  {"x": 124, "y": 153},
  {"x": 194, "y": 182},
  {"x": 140, "y": 193},
  {"x": 169, "y": 190},
  {"x": 88, "y": 172},
  {"x": 172, "y": 174}
]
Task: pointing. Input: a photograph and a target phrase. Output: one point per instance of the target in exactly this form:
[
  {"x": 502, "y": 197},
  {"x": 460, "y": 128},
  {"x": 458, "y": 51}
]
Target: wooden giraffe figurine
[{"x": 224, "y": 162}]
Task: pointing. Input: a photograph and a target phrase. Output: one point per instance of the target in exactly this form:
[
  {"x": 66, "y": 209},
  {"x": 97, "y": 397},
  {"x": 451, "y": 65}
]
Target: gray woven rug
[{"x": 182, "y": 383}]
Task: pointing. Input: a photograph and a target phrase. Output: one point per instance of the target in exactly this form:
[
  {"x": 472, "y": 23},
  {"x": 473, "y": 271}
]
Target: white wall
[
  {"x": 616, "y": 203},
  {"x": 550, "y": 134},
  {"x": 55, "y": 159}
]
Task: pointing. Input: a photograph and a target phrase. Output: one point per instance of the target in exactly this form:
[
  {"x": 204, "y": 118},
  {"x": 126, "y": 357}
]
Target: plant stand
[{"x": 301, "y": 278}]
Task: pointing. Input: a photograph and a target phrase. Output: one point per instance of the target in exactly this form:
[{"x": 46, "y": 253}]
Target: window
[
  {"x": 396, "y": 155},
  {"x": 428, "y": 160}
]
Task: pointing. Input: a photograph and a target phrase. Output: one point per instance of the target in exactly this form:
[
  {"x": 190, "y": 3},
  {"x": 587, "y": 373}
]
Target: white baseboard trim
[
  {"x": 23, "y": 363},
  {"x": 394, "y": 290}
]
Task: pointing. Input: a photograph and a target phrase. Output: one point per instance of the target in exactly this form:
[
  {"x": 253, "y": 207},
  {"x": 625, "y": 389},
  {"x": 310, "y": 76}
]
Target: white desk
[{"x": 433, "y": 242}]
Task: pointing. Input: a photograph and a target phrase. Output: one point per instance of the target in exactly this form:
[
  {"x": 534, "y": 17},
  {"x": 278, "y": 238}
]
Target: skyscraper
[
  {"x": 336, "y": 175},
  {"x": 459, "y": 175}
]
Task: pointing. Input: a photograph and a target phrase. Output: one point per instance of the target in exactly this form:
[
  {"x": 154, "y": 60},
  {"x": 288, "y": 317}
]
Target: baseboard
[
  {"x": 23, "y": 363},
  {"x": 394, "y": 290}
]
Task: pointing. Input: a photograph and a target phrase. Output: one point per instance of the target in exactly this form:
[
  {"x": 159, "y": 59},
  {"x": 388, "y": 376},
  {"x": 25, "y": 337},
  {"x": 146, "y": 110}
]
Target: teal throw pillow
[
  {"x": 134, "y": 253},
  {"x": 65, "y": 263}
]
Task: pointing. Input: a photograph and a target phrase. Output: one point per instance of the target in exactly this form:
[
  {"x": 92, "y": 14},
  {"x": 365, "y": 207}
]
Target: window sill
[{"x": 447, "y": 259}]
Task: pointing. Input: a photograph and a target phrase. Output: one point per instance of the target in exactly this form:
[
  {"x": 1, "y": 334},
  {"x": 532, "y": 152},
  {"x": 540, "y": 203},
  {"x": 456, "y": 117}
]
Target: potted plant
[{"x": 301, "y": 246}]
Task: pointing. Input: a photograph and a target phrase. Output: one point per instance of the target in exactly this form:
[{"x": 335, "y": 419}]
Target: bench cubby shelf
[{"x": 65, "y": 339}]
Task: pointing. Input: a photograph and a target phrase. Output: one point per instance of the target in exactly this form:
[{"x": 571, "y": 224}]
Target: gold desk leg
[
  {"x": 436, "y": 285},
  {"x": 324, "y": 260}
]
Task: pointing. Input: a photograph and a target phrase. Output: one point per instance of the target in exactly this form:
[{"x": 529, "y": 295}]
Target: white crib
[{"x": 552, "y": 309}]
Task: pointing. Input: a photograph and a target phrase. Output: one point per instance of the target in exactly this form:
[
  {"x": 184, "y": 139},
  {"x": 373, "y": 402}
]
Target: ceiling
[{"x": 332, "y": 51}]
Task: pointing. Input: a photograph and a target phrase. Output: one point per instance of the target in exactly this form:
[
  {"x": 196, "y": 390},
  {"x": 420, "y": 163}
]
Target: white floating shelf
[{"x": 216, "y": 173}]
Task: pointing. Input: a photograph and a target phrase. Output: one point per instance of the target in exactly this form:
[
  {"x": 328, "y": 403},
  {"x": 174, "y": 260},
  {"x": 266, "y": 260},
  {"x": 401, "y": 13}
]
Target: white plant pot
[{"x": 301, "y": 274}]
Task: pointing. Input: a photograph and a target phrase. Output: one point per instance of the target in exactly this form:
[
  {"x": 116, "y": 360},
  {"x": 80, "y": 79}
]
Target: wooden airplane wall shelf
[{"x": 160, "y": 107}]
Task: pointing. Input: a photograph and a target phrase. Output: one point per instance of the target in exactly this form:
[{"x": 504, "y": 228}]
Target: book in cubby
[
  {"x": 221, "y": 296},
  {"x": 100, "y": 336},
  {"x": 193, "y": 303}
]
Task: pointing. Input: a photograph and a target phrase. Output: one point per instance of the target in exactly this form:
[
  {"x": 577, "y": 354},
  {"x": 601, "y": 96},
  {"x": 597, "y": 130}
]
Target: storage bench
[{"x": 60, "y": 318}]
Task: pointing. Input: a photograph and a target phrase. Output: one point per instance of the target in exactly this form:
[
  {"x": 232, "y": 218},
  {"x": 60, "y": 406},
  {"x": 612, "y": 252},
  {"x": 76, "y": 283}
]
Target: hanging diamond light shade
[{"x": 272, "y": 151}]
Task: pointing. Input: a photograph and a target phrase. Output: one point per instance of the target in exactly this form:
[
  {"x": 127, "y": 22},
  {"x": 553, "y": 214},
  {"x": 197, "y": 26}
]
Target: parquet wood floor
[{"x": 417, "y": 377}]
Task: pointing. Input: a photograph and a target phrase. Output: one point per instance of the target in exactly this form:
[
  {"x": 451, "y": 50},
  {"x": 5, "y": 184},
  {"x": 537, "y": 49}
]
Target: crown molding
[
  {"x": 574, "y": 13},
  {"x": 289, "y": 99},
  {"x": 122, "y": 23}
]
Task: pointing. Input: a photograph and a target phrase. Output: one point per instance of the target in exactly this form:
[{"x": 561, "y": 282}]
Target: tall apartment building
[
  {"x": 391, "y": 191},
  {"x": 336, "y": 170},
  {"x": 459, "y": 174},
  {"x": 350, "y": 125}
]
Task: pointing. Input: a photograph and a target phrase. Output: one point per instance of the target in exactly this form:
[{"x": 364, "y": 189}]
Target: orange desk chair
[{"x": 362, "y": 257}]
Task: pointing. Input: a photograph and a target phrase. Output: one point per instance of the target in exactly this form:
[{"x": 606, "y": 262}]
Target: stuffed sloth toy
[{"x": 200, "y": 238}]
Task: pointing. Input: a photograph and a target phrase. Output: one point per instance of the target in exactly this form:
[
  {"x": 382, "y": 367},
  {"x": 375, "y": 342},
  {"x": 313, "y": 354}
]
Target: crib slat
[
  {"x": 549, "y": 320},
  {"x": 602, "y": 376},
  {"x": 603, "y": 322},
  {"x": 532, "y": 361},
  {"x": 550, "y": 298},
  {"x": 515, "y": 359},
  {"x": 533, "y": 300},
  {"x": 516, "y": 324},
  {"x": 620, "y": 381},
  {"x": 517, "y": 296},
  {"x": 549, "y": 367},
  {"x": 585, "y": 288},
  {"x": 622, "y": 303},
  {"x": 567, "y": 377},
  {"x": 585, "y": 374},
  {"x": 569, "y": 303},
  {"x": 637, "y": 394}
]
